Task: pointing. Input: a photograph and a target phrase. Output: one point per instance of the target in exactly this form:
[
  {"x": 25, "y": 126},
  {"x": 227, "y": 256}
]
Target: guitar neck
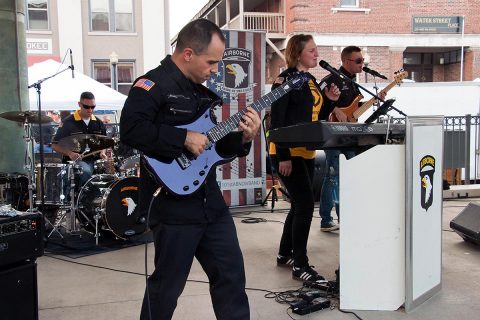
[
  {"x": 366, "y": 105},
  {"x": 227, "y": 126}
]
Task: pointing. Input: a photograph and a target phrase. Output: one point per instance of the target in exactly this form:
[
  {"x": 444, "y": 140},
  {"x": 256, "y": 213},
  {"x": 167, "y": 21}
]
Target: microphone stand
[
  {"x": 390, "y": 107},
  {"x": 38, "y": 86},
  {"x": 377, "y": 102},
  {"x": 345, "y": 77}
]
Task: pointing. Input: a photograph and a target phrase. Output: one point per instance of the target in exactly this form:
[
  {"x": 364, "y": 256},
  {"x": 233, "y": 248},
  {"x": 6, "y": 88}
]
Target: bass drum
[{"x": 115, "y": 204}]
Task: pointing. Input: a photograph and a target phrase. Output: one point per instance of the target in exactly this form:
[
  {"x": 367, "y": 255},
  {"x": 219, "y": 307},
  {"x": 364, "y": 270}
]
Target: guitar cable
[{"x": 154, "y": 196}]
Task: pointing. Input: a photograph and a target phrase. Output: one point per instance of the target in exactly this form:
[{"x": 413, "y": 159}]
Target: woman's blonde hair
[{"x": 295, "y": 47}]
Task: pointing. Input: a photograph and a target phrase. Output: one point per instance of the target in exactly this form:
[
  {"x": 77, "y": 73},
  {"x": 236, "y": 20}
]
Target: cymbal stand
[
  {"x": 71, "y": 222},
  {"x": 97, "y": 218},
  {"x": 97, "y": 210},
  {"x": 71, "y": 219},
  {"x": 29, "y": 160}
]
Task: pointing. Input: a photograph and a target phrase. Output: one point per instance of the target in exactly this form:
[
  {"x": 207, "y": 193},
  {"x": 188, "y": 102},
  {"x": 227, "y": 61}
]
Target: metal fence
[{"x": 461, "y": 149}]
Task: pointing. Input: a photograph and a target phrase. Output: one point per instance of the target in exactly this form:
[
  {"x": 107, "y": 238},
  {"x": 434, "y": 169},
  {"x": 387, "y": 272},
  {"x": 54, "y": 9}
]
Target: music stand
[
  {"x": 273, "y": 189},
  {"x": 382, "y": 110}
]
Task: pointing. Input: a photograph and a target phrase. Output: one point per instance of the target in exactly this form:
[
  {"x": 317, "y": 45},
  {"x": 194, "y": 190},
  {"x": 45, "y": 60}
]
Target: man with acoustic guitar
[{"x": 342, "y": 111}]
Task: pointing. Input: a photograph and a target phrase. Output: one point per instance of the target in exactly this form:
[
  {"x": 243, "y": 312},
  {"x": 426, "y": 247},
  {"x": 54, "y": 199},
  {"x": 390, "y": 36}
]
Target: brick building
[{"x": 422, "y": 37}]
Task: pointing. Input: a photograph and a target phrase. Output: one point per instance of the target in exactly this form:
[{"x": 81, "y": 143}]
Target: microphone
[
  {"x": 331, "y": 69},
  {"x": 71, "y": 64},
  {"x": 374, "y": 73}
]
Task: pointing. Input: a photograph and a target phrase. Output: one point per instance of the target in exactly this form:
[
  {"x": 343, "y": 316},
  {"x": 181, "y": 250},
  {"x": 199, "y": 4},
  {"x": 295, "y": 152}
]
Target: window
[
  {"x": 100, "y": 15},
  {"x": 37, "y": 15},
  {"x": 125, "y": 76},
  {"x": 412, "y": 58},
  {"x": 102, "y": 72},
  {"x": 448, "y": 57},
  {"x": 111, "y": 15},
  {"x": 123, "y": 16},
  {"x": 349, "y": 3}
]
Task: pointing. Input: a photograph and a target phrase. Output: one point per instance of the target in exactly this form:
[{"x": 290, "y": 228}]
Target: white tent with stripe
[{"x": 62, "y": 92}]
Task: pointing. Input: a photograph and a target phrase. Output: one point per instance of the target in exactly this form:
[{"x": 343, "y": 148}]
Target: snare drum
[
  {"x": 115, "y": 202},
  {"x": 53, "y": 183}
]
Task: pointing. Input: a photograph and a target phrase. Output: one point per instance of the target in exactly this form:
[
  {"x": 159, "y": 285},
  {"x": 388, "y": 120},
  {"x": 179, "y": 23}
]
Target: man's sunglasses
[
  {"x": 87, "y": 106},
  {"x": 358, "y": 60}
]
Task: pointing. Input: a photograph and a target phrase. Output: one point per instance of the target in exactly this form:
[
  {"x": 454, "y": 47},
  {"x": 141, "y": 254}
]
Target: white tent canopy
[{"x": 62, "y": 92}]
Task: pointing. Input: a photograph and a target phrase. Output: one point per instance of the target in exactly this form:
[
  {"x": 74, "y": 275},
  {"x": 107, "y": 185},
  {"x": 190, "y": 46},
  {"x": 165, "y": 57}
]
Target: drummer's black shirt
[{"x": 73, "y": 124}]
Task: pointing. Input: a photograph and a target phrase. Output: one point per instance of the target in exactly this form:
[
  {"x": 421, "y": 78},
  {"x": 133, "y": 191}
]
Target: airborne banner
[{"x": 239, "y": 82}]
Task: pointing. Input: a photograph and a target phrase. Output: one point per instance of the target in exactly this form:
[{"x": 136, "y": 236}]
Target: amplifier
[{"x": 21, "y": 238}]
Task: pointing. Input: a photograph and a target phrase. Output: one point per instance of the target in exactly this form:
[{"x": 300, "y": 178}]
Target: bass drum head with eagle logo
[{"x": 120, "y": 208}]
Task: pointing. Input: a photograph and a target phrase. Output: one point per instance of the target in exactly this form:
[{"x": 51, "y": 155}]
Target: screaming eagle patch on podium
[{"x": 427, "y": 169}]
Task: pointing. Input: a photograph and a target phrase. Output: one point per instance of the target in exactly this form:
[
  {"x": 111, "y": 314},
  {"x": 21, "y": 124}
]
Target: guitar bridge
[{"x": 183, "y": 161}]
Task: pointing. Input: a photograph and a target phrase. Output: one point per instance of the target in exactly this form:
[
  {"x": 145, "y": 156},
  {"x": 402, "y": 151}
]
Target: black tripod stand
[{"x": 274, "y": 189}]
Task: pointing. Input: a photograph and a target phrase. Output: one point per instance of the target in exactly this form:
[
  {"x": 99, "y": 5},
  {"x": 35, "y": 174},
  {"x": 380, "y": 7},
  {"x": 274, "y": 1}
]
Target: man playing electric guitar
[
  {"x": 352, "y": 63},
  {"x": 197, "y": 225}
]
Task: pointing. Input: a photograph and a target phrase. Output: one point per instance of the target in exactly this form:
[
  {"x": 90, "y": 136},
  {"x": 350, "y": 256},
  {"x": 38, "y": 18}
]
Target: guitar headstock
[
  {"x": 297, "y": 80},
  {"x": 400, "y": 75}
]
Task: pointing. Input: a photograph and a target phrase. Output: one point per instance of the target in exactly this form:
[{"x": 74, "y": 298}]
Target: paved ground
[{"x": 76, "y": 289}]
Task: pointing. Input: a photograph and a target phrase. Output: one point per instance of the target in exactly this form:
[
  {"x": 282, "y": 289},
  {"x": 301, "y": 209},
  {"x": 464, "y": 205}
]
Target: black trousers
[
  {"x": 297, "y": 224},
  {"x": 215, "y": 245}
]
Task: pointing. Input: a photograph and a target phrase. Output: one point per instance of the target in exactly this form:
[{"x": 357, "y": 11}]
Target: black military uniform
[
  {"x": 298, "y": 106},
  {"x": 197, "y": 225},
  {"x": 348, "y": 91},
  {"x": 74, "y": 124}
]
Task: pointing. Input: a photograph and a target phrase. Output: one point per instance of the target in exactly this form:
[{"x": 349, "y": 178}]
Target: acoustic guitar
[{"x": 354, "y": 111}]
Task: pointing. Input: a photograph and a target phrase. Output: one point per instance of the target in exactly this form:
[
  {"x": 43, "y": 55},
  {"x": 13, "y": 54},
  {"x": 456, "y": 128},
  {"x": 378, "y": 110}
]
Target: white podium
[{"x": 391, "y": 210}]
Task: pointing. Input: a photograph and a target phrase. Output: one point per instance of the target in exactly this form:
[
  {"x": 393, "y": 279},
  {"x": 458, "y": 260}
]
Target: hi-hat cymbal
[
  {"x": 25, "y": 116},
  {"x": 79, "y": 142}
]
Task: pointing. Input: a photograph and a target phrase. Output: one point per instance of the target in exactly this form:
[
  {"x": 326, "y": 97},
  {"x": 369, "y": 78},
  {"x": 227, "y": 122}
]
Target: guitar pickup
[{"x": 183, "y": 161}]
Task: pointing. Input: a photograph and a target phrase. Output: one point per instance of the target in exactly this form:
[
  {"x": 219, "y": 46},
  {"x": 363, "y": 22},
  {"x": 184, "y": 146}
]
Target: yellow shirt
[{"x": 317, "y": 105}]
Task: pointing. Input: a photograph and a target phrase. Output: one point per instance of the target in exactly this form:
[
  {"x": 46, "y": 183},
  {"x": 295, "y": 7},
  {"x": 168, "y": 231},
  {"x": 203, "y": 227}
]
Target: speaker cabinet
[
  {"x": 467, "y": 223},
  {"x": 18, "y": 292}
]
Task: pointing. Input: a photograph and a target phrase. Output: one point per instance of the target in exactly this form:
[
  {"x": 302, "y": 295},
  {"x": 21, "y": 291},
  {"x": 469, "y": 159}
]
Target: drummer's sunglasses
[{"x": 87, "y": 106}]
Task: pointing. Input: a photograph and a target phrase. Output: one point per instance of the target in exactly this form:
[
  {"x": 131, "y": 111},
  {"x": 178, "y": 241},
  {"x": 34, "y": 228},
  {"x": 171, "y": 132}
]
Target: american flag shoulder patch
[{"x": 144, "y": 84}]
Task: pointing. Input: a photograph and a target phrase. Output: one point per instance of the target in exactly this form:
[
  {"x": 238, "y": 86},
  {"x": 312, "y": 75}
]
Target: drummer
[{"x": 81, "y": 121}]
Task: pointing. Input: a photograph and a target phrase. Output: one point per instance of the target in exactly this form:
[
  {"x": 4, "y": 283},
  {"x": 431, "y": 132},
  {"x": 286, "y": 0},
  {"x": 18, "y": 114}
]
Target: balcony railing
[{"x": 272, "y": 23}]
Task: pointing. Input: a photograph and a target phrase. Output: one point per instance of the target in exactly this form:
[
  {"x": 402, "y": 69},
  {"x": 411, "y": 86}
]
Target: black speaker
[
  {"x": 467, "y": 223},
  {"x": 21, "y": 238},
  {"x": 18, "y": 292}
]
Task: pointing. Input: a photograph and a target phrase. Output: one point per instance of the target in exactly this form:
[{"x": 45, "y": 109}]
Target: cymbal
[
  {"x": 25, "y": 116},
  {"x": 79, "y": 142}
]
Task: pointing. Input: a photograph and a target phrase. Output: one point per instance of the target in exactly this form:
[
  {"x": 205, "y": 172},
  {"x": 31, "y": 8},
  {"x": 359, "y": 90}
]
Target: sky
[{"x": 181, "y": 12}]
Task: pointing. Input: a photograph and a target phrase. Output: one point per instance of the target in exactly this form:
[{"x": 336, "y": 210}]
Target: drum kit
[{"x": 107, "y": 204}]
